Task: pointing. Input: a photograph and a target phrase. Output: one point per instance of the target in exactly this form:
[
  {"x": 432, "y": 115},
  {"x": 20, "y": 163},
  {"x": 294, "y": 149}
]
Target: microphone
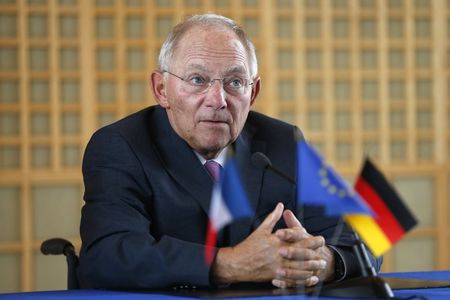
[{"x": 259, "y": 159}]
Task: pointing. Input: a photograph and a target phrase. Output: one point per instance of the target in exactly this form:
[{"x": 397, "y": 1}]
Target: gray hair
[{"x": 170, "y": 44}]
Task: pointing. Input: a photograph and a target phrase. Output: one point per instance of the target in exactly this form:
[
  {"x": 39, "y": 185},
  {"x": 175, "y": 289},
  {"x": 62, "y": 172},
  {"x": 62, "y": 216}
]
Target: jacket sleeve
[{"x": 118, "y": 249}]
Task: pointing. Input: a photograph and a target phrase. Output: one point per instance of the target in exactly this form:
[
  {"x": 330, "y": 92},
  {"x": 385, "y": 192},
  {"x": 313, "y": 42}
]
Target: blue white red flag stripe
[{"x": 228, "y": 202}]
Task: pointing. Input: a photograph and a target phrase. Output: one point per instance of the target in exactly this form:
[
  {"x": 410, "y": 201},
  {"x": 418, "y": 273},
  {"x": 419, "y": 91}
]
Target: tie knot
[{"x": 213, "y": 168}]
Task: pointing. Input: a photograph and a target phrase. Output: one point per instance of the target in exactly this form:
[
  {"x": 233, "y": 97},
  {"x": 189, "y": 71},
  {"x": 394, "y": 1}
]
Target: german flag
[{"x": 391, "y": 219}]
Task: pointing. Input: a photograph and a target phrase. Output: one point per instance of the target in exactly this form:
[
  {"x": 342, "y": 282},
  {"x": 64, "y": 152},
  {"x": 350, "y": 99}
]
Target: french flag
[{"x": 228, "y": 202}]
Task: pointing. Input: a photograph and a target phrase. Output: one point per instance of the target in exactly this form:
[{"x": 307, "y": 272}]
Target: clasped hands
[{"x": 289, "y": 257}]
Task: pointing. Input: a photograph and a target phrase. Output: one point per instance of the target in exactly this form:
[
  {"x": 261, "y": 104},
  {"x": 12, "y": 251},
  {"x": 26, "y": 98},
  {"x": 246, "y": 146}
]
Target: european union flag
[{"x": 320, "y": 185}]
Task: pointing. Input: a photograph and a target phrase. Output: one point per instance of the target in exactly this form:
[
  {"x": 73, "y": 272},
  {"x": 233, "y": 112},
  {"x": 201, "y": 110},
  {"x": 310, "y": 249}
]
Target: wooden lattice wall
[{"x": 358, "y": 76}]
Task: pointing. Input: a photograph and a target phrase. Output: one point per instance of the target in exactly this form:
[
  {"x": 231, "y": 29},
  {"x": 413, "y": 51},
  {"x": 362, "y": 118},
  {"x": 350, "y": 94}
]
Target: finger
[
  {"x": 291, "y": 234},
  {"x": 298, "y": 254},
  {"x": 279, "y": 283},
  {"x": 292, "y": 274},
  {"x": 313, "y": 280},
  {"x": 300, "y": 249},
  {"x": 305, "y": 265},
  {"x": 291, "y": 220},
  {"x": 272, "y": 219},
  {"x": 312, "y": 242}
]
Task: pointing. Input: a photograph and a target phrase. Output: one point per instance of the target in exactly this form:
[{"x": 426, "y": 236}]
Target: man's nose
[{"x": 216, "y": 94}]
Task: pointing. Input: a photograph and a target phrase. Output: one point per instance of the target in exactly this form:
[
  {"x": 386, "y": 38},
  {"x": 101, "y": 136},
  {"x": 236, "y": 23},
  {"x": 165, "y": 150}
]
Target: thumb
[
  {"x": 291, "y": 220},
  {"x": 272, "y": 219}
]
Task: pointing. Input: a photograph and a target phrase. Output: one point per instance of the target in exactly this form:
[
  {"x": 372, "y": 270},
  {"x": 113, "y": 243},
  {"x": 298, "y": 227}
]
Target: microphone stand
[{"x": 369, "y": 285}]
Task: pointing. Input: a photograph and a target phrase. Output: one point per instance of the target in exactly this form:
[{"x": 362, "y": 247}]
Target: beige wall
[{"x": 358, "y": 76}]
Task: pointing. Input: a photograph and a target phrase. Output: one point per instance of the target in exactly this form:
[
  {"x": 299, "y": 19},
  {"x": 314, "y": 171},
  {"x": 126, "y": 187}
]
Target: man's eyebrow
[
  {"x": 202, "y": 68},
  {"x": 236, "y": 69}
]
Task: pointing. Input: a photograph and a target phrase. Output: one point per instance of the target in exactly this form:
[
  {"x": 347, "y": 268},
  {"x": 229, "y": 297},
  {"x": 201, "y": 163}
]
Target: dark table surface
[{"x": 435, "y": 293}]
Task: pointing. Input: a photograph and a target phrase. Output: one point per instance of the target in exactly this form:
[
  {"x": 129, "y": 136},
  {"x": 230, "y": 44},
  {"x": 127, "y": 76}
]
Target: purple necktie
[{"x": 213, "y": 168}]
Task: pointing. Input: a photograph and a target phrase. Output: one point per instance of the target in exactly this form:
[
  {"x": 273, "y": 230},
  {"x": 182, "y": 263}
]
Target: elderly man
[{"x": 148, "y": 193}]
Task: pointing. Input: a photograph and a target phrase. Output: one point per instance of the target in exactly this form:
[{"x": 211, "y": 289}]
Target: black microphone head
[{"x": 261, "y": 160}]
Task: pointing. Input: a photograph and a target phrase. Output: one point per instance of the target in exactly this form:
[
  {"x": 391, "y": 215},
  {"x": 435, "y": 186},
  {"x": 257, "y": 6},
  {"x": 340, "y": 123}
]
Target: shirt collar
[{"x": 221, "y": 158}]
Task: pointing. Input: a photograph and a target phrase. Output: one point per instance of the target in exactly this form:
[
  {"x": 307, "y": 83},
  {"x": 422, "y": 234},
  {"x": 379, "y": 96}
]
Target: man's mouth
[{"x": 214, "y": 121}]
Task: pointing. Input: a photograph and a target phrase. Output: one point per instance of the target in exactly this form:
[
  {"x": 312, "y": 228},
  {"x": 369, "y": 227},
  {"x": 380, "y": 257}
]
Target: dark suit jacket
[{"x": 147, "y": 198}]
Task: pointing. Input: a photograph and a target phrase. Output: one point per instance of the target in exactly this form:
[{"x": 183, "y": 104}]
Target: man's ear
[
  {"x": 255, "y": 89},
  {"x": 158, "y": 87}
]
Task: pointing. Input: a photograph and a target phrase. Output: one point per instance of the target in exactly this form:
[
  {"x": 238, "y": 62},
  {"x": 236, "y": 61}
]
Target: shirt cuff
[{"x": 340, "y": 268}]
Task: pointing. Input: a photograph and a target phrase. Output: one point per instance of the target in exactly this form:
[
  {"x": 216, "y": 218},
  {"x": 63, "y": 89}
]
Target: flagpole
[{"x": 362, "y": 256}]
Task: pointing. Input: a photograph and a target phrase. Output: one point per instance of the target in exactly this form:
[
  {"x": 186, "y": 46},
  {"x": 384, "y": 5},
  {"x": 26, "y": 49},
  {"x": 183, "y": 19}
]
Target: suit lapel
[
  {"x": 251, "y": 177},
  {"x": 181, "y": 163}
]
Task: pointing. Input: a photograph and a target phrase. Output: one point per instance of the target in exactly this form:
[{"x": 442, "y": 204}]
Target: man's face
[{"x": 210, "y": 120}]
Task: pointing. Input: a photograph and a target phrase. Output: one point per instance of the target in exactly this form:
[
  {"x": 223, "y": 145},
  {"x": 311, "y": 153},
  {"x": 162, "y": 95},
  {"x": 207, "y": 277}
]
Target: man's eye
[
  {"x": 235, "y": 82},
  {"x": 197, "y": 80}
]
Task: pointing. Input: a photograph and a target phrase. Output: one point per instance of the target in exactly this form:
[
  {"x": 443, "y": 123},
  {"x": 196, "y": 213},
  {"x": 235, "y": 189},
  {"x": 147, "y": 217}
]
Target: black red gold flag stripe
[{"x": 392, "y": 218}]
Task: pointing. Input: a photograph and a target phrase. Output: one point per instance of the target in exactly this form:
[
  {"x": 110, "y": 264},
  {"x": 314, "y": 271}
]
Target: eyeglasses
[{"x": 198, "y": 84}]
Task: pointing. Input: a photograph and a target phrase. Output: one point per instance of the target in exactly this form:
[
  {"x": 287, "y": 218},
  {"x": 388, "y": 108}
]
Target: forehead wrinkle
[
  {"x": 239, "y": 62},
  {"x": 233, "y": 44},
  {"x": 195, "y": 66},
  {"x": 215, "y": 54},
  {"x": 201, "y": 49}
]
